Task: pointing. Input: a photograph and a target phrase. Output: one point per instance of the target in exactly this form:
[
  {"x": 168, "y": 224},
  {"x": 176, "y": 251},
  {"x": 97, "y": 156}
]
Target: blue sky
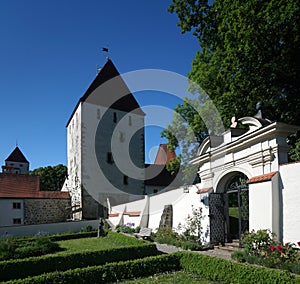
[{"x": 49, "y": 54}]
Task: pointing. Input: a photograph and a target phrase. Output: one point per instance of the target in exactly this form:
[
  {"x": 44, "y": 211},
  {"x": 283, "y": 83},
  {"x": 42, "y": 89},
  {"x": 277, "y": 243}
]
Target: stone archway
[{"x": 229, "y": 207}]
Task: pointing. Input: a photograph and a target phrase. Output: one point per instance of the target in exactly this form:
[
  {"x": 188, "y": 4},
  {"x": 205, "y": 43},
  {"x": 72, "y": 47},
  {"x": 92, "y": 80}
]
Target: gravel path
[{"x": 212, "y": 252}]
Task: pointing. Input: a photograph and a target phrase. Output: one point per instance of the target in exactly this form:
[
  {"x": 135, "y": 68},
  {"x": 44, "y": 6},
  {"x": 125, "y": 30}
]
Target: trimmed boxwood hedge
[
  {"x": 226, "y": 271},
  {"x": 110, "y": 272},
  {"x": 20, "y": 268},
  {"x": 209, "y": 267}
]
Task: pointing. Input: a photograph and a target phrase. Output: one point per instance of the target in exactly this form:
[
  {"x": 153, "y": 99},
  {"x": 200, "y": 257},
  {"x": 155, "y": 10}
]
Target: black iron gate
[
  {"x": 229, "y": 216},
  {"x": 217, "y": 218}
]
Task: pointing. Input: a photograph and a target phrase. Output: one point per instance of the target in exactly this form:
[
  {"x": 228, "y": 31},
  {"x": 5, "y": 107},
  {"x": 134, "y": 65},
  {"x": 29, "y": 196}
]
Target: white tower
[{"x": 105, "y": 141}]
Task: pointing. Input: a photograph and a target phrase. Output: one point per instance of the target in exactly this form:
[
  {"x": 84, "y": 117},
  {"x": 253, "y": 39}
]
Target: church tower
[{"x": 105, "y": 141}]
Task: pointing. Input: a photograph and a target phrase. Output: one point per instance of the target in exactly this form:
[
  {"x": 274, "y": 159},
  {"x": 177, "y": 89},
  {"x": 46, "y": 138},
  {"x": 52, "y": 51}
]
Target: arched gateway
[{"x": 233, "y": 169}]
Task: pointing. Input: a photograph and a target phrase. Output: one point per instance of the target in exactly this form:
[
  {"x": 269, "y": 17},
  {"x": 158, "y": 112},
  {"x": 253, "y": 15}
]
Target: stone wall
[{"x": 41, "y": 211}]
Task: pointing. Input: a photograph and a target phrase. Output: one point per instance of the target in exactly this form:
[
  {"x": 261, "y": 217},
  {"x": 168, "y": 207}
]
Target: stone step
[{"x": 230, "y": 247}]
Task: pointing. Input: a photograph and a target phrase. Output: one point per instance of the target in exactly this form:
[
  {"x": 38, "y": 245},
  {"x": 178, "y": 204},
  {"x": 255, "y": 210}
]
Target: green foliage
[
  {"x": 51, "y": 178},
  {"x": 248, "y": 53},
  {"x": 10, "y": 248},
  {"x": 192, "y": 228},
  {"x": 167, "y": 236},
  {"x": 125, "y": 229},
  {"x": 257, "y": 242},
  {"x": 171, "y": 277},
  {"x": 226, "y": 271},
  {"x": 110, "y": 272},
  {"x": 21, "y": 268},
  {"x": 261, "y": 248}
]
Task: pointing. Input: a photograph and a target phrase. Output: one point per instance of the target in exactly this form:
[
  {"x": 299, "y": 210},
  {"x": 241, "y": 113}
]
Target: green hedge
[
  {"x": 20, "y": 268},
  {"x": 111, "y": 272},
  {"x": 226, "y": 271}
]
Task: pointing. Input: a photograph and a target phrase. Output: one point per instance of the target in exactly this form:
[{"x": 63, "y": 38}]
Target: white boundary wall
[
  {"x": 290, "y": 184},
  {"x": 54, "y": 228}
]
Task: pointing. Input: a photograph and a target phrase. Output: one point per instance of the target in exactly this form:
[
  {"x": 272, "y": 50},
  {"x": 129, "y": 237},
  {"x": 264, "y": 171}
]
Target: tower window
[
  {"x": 129, "y": 120},
  {"x": 109, "y": 158},
  {"x": 115, "y": 117},
  {"x": 98, "y": 113},
  {"x": 16, "y": 205},
  {"x": 125, "y": 179}
]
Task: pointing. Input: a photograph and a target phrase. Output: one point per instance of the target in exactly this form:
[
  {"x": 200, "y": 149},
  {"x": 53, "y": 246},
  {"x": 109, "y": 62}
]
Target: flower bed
[{"x": 262, "y": 248}]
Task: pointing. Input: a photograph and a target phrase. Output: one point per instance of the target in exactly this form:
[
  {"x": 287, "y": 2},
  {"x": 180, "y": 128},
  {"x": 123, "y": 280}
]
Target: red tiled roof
[
  {"x": 262, "y": 178},
  {"x": 16, "y": 156},
  {"x": 113, "y": 215},
  {"x": 133, "y": 213},
  {"x": 204, "y": 190},
  {"x": 26, "y": 186},
  {"x": 290, "y": 163},
  {"x": 164, "y": 155}
]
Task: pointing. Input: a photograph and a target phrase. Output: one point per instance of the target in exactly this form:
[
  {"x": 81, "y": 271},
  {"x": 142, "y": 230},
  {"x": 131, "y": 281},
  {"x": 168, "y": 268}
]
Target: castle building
[
  {"x": 16, "y": 163},
  {"x": 105, "y": 145}
]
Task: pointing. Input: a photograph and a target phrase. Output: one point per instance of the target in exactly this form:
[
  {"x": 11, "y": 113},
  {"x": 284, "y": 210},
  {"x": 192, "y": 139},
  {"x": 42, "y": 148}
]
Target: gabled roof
[
  {"x": 16, "y": 156},
  {"x": 113, "y": 93},
  {"x": 164, "y": 155}
]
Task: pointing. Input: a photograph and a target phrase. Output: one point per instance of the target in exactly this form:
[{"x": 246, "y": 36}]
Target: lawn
[
  {"x": 174, "y": 277},
  {"x": 88, "y": 244}
]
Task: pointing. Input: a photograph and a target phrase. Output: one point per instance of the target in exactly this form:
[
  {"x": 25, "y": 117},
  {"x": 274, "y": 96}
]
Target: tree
[
  {"x": 51, "y": 178},
  {"x": 248, "y": 53}
]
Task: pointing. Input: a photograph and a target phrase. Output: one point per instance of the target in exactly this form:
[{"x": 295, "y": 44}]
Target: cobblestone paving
[{"x": 213, "y": 252}]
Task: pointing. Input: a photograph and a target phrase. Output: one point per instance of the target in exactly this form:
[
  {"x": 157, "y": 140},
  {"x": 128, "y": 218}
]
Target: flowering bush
[
  {"x": 262, "y": 248},
  {"x": 192, "y": 229}
]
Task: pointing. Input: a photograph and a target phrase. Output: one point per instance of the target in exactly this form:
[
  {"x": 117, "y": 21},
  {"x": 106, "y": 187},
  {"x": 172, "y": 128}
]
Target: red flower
[
  {"x": 298, "y": 243},
  {"x": 279, "y": 248},
  {"x": 272, "y": 248},
  {"x": 287, "y": 244}
]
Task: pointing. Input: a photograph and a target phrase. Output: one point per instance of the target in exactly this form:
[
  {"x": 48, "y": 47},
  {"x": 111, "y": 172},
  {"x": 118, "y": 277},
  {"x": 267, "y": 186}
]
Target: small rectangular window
[
  {"x": 129, "y": 120},
  {"x": 17, "y": 221},
  {"x": 98, "y": 113},
  {"x": 16, "y": 205},
  {"x": 125, "y": 179},
  {"x": 109, "y": 158},
  {"x": 115, "y": 117}
]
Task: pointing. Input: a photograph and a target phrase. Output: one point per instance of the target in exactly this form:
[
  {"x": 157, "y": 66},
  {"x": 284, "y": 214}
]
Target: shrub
[
  {"x": 111, "y": 272},
  {"x": 125, "y": 229},
  {"x": 226, "y": 271},
  {"x": 21, "y": 268},
  {"x": 11, "y": 248},
  {"x": 261, "y": 248}
]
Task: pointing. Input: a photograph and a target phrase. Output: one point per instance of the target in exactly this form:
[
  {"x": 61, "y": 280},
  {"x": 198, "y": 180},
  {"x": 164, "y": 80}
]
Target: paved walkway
[{"x": 212, "y": 252}]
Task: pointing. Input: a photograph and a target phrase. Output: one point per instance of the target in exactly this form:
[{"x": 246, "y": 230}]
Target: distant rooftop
[
  {"x": 16, "y": 156},
  {"x": 164, "y": 155}
]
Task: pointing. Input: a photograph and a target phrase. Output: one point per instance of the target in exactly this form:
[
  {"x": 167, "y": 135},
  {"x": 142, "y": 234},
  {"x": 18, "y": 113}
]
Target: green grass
[
  {"x": 91, "y": 244},
  {"x": 88, "y": 244},
  {"x": 233, "y": 212},
  {"x": 174, "y": 277}
]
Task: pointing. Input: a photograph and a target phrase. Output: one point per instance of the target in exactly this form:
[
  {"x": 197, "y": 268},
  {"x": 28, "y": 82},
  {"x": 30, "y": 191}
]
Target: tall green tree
[
  {"x": 248, "y": 52},
  {"x": 51, "y": 177}
]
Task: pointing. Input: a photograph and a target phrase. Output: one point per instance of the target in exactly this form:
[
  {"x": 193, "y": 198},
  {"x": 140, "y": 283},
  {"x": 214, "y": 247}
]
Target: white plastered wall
[{"x": 289, "y": 181}]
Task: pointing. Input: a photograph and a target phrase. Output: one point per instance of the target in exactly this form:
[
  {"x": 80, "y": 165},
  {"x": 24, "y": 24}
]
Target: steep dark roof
[
  {"x": 114, "y": 94},
  {"x": 16, "y": 156}
]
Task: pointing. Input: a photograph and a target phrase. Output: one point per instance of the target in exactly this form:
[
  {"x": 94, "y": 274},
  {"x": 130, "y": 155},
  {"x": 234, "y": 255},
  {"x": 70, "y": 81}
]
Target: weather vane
[{"x": 104, "y": 49}]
